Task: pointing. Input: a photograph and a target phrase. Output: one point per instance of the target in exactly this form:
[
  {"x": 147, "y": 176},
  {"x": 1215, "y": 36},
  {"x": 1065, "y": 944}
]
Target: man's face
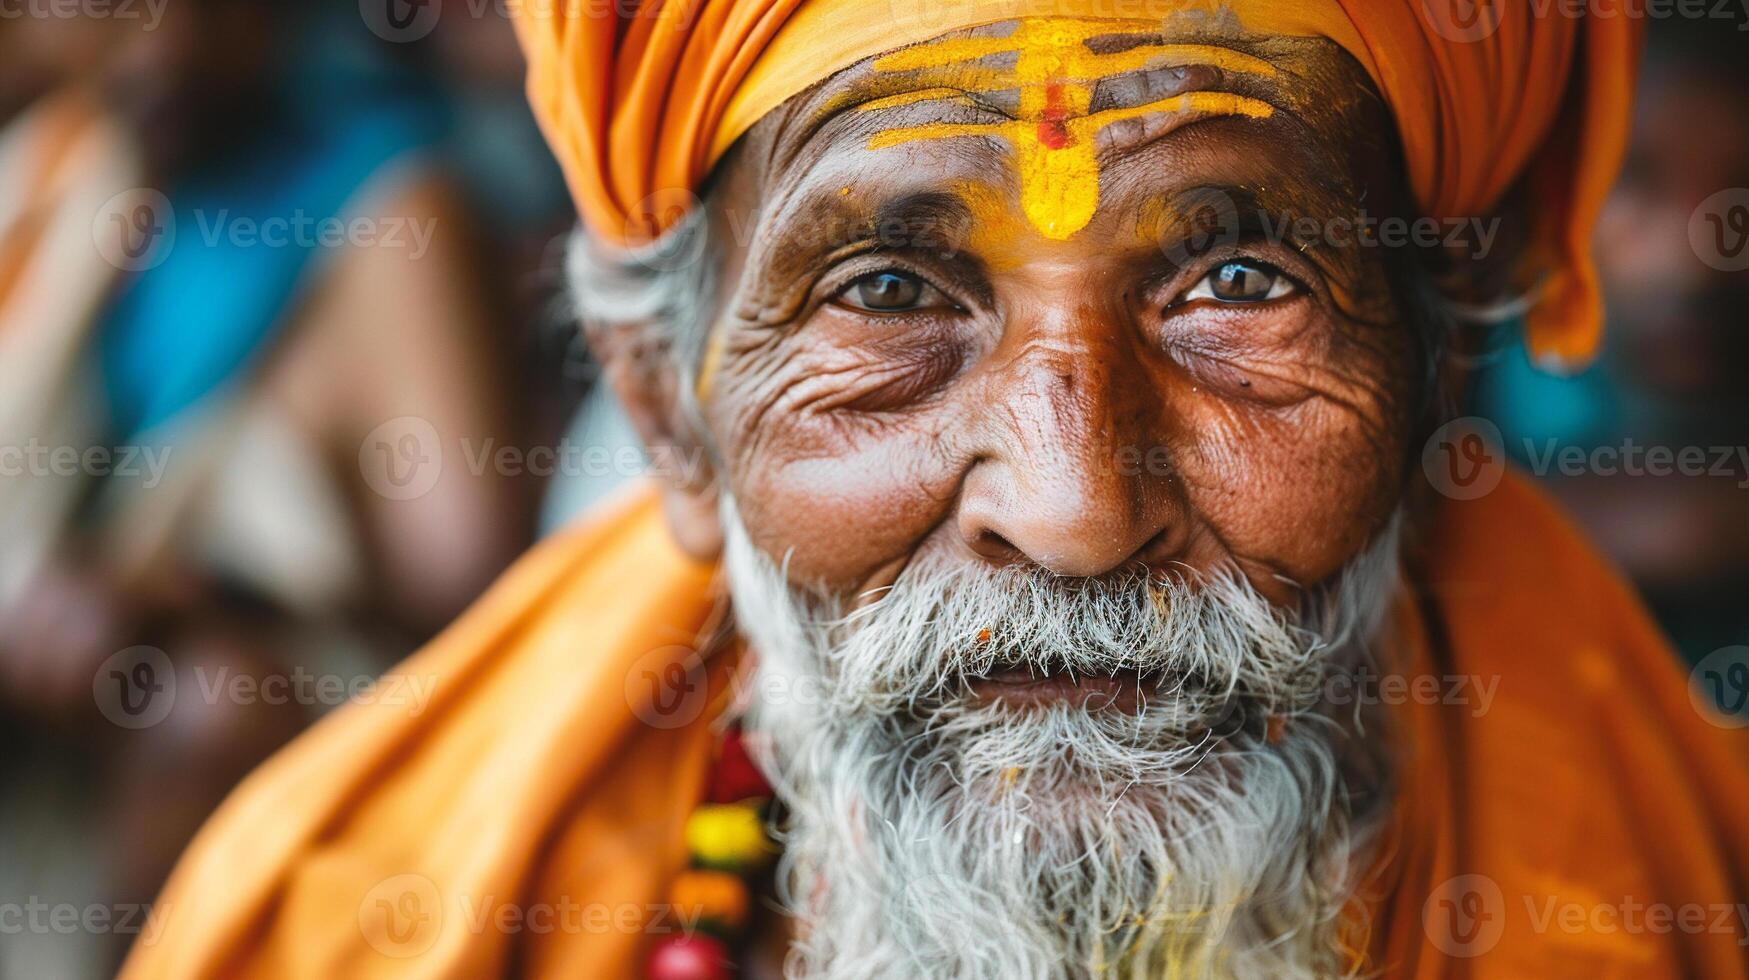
[
  {"x": 1061, "y": 492},
  {"x": 977, "y": 313}
]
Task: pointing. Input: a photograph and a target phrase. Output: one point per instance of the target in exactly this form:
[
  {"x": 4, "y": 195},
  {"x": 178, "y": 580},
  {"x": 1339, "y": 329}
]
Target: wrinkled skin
[{"x": 1084, "y": 404}]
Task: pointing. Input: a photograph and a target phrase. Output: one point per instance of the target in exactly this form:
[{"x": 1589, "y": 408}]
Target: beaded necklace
[{"x": 730, "y": 851}]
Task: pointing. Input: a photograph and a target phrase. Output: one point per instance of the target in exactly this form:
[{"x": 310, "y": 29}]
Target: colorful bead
[
  {"x": 727, "y": 837},
  {"x": 693, "y": 957},
  {"x": 735, "y": 777},
  {"x": 714, "y": 898}
]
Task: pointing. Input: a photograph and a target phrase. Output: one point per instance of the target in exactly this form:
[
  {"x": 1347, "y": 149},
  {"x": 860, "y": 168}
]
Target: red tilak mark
[{"x": 1052, "y": 134}]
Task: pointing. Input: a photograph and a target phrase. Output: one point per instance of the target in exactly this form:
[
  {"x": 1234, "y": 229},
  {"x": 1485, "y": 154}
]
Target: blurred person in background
[
  {"x": 38, "y": 55},
  {"x": 236, "y": 282},
  {"x": 1674, "y": 372},
  {"x": 503, "y": 165}
]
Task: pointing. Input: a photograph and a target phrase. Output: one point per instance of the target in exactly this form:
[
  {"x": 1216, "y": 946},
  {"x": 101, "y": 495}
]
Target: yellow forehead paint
[{"x": 1055, "y": 73}]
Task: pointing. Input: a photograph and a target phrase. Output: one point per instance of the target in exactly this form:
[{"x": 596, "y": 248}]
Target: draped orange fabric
[
  {"x": 638, "y": 105},
  {"x": 386, "y": 843}
]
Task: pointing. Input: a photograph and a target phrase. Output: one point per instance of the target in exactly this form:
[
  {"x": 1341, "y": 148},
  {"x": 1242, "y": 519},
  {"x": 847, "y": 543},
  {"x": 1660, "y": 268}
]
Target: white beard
[{"x": 933, "y": 835}]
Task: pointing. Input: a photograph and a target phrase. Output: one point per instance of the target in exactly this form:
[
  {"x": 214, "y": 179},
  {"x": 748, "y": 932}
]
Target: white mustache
[{"x": 1211, "y": 639}]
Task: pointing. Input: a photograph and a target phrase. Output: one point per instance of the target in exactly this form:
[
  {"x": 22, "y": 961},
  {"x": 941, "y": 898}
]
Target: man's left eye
[
  {"x": 890, "y": 291},
  {"x": 1243, "y": 281}
]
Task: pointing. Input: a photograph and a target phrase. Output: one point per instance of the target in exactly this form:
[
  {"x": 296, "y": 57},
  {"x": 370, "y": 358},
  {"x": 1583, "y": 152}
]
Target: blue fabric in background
[
  {"x": 1533, "y": 405},
  {"x": 179, "y": 331}
]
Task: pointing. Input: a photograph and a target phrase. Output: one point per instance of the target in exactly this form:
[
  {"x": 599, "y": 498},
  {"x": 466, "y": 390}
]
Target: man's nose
[{"x": 1075, "y": 473}]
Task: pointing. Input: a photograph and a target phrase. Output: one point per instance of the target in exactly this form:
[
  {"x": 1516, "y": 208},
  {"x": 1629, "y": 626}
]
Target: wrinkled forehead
[{"x": 1058, "y": 111}]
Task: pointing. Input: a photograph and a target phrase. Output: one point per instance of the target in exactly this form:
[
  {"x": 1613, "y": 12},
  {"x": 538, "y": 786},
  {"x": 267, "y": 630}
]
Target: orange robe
[{"x": 540, "y": 775}]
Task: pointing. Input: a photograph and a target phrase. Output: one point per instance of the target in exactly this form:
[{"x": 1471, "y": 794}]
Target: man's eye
[
  {"x": 890, "y": 291},
  {"x": 1243, "y": 281}
]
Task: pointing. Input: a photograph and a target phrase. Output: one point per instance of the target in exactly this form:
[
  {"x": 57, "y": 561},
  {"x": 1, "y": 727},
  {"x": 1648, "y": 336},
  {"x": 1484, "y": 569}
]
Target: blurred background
[{"x": 286, "y": 379}]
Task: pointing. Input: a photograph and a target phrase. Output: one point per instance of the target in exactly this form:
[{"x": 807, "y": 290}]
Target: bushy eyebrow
[
  {"x": 826, "y": 223},
  {"x": 899, "y": 219},
  {"x": 826, "y": 226},
  {"x": 1248, "y": 214}
]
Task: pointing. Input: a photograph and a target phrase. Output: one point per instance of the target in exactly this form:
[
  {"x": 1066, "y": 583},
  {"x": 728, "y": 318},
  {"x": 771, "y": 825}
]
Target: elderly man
[{"x": 1081, "y": 591}]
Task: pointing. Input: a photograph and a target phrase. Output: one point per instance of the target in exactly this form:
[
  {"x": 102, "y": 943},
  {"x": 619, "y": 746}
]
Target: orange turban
[{"x": 639, "y": 105}]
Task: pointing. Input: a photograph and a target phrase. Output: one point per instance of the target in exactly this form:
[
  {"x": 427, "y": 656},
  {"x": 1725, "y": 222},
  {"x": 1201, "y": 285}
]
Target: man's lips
[{"x": 1029, "y": 688}]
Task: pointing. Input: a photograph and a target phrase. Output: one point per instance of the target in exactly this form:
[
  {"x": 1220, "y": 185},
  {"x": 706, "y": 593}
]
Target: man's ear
[{"x": 644, "y": 379}]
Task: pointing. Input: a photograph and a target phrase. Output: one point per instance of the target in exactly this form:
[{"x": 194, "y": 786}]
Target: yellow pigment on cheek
[{"x": 1055, "y": 73}]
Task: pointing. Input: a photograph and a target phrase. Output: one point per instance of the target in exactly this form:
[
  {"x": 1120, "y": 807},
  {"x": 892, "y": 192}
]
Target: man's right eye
[{"x": 890, "y": 291}]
